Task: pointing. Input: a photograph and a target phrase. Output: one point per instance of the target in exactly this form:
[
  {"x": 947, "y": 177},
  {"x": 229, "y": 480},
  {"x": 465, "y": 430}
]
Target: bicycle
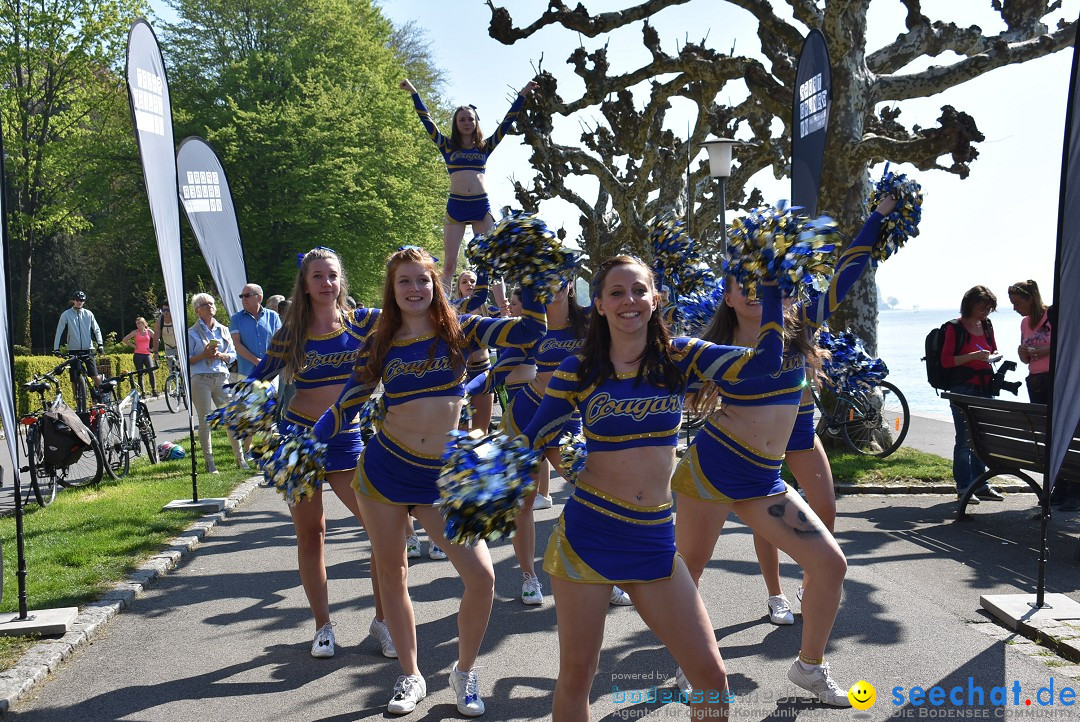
[
  {"x": 175, "y": 395},
  {"x": 45, "y": 478},
  {"x": 128, "y": 427}
]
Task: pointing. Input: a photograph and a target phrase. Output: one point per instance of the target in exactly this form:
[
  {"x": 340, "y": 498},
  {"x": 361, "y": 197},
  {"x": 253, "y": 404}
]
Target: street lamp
[{"x": 719, "y": 150}]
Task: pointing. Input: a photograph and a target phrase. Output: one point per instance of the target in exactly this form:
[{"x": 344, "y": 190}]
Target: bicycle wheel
[
  {"x": 146, "y": 432},
  {"x": 877, "y": 421},
  {"x": 42, "y": 478},
  {"x": 110, "y": 432},
  {"x": 87, "y": 470},
  {"x": 172, "y": 393}
]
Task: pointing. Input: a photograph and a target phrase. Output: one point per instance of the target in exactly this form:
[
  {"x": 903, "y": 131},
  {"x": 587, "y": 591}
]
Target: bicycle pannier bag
[{"x": 63, "y": 437}]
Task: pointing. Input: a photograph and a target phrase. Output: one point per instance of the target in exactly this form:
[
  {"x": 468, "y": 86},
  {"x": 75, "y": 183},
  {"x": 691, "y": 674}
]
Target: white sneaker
[
  {"x": 780, "y": 610},
  {"x": 436, "y": 553},
  {"x": 381, "y": 632},
  {"x": 682, "y": 682},
  {"x": 467, "y": 689},
  {"x": 412, "y": 547},
  {"x": 541, "y": 502},
  {"x": 323, "y": 646},
  {"x": 531, "y": 591},
  {"x": 408, "y": 690},
  {"x": 620, "y": 598},
  {"x": 818, "y": 681}
]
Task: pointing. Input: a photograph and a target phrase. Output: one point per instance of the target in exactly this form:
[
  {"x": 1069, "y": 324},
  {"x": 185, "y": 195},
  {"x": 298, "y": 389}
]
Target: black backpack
[
  {"x": 937, "y": 375},
  {"x": 63, "y": 438}
]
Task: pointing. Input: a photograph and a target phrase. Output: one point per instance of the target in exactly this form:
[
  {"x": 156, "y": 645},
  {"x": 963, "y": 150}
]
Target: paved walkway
[{"x": 226, "y": 635}]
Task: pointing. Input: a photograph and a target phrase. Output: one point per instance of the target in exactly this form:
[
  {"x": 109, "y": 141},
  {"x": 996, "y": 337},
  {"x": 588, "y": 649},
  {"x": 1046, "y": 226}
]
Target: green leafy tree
[
  {"x": 60, "y": 60},
  {"x": 300, "y": 99}
]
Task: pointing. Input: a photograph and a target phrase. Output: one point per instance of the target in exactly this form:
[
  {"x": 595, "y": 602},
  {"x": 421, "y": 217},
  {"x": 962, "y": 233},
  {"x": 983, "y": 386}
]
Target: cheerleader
[
  {"x": 418, "y": 351},
  {"x": 733, "y": 464},
  {"x": 628, "y": 383},
  {"x": 466, "y": 153},
  {"x": 317, "y": 346}
]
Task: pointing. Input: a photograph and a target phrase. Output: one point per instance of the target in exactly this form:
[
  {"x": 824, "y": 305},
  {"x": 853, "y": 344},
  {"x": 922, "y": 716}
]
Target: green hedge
[{"x": 27, "y": 366}]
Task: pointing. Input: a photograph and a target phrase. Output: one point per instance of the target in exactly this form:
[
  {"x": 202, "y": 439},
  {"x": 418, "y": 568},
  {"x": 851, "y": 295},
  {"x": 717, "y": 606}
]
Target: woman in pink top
[
  {"x": 1035, "y": 328},
  {"x": 142, "y": 338}
]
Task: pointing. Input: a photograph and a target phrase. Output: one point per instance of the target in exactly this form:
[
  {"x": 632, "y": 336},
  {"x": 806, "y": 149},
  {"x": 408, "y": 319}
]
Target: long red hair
[{"x": 443, "y": 317}]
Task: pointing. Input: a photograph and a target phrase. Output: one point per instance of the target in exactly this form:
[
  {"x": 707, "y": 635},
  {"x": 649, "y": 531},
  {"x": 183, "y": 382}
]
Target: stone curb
[{"x": 34, "y": 667}]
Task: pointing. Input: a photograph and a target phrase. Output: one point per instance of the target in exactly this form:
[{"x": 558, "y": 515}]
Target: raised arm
[
  {"x": 511, "y": 115},
  {"x": 481, "y": 332},
  {"x": 425, "y": 116},
  {"x": 850, "y": 266},
  {"x": 273, "y": 362},
  {"x": 509, "y": 359},
  {"x": 714, "y": 362},
  {"x": 477, "y": 302}
]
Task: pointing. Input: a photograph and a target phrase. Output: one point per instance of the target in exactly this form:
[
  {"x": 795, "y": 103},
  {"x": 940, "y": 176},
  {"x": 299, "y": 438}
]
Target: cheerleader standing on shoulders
[
  {"x": 466, "y": 153},
  {"x": 317, "y": 346},
  {"x": 733, "y": 464},
  {"x": 418, "y": 352},
  {"x": 628, "y": 382}
]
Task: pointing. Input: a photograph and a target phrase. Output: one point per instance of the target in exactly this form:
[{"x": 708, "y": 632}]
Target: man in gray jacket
[{"x": 83, "y": 333}]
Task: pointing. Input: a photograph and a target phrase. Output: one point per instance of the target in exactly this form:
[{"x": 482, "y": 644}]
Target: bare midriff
[
  {"x": 765, "y": 429},
  {"x": 467, "y": 183},
  {"x": 423, "y": 424},
  {"x": 640, "y": 476}
]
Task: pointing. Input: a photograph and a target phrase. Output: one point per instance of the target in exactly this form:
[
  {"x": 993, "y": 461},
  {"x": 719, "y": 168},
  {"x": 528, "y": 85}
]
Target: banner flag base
[
  {"x": 1015, "y": 610},
  {"x": 45, "y": 622},
  {"x": 204, "y": 505}
]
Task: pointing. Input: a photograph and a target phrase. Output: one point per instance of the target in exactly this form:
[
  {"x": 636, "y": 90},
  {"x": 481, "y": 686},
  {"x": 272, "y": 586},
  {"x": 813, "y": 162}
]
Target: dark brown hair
[
  {"x": 1030, "y": 289},
  {"x": 477, "y": 136},
  {"x": 976, "y": 295},
  {"x": 657, "y": 367}
]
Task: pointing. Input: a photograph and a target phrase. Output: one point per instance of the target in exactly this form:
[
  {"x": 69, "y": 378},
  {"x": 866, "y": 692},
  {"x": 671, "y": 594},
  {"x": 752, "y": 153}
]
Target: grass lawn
[
  {"x": 90, "y": 538},
  {"x": 905, "y": 465}
]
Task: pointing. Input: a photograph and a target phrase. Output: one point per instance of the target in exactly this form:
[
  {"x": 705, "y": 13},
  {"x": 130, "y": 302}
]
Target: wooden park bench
[{"x": 1010, "y": 438}]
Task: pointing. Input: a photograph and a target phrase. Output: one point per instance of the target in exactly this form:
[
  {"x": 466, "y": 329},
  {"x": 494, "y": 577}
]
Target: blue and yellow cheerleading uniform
[
  {"x": 604, "y": 540},
  {"x": 718, "y": 466},
  {"x": 477, "y": 303},
  {"x": 328, "y": 360},
  {"x": 416, "y": 368},
  {"x": 507, "y": 360},
  {"x": 467, "y": 208},
  {"x": 550, "y": 351}
]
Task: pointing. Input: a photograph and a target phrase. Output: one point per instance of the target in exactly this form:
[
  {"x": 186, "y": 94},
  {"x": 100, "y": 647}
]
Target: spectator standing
[
  {"x": 1035, "y": 328},
  {"x": 252, "y": 327},
  {"x": 272, "y": 302},
  {"x": 210, "y": 350},
  {"x": 142, "y": 338},
  {"x": 164, "y": 333},
  {"x": 83, "y": 332}
]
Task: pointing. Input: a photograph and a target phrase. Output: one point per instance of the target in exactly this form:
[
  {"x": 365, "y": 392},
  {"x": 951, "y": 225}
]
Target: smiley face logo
[{"x": 862, "y": 695}]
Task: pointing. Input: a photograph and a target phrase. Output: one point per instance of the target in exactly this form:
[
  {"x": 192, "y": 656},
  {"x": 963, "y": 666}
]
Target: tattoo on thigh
[{"x": 795, "y": 518}]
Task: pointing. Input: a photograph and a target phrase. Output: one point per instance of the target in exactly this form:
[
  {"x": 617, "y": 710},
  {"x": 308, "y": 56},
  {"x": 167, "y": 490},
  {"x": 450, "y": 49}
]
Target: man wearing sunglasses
[{"x": 251, "y": 328}]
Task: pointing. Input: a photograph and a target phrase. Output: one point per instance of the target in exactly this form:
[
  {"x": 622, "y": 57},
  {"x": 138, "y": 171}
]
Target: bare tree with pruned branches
[{"x": 640, "y": 166}]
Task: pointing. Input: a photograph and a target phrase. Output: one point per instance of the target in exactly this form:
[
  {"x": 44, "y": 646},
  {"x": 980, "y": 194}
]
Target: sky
[{"x": 994, "y": 228}]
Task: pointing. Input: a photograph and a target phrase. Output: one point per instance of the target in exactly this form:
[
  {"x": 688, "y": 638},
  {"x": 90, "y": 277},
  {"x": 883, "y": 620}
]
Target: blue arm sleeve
[
  {"x": 483, "y": 332},
  {"x": 478, "y": 300},
  {"x": 557, "y": 408},
  {"x": 851, "y": 265},
  {"x": 425, "y": 117},
  {"x": 348, "y": 404},
  {"x": 714, "y": 362},
  {"x": 271, "y": 364},
  {"x": 504, "y": 127},
  {"x": 509, "y": 359}
]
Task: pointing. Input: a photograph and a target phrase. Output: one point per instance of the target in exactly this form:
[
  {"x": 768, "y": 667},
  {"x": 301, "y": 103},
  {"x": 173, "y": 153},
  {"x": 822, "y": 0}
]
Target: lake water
[{"x": 901, "y": 337}]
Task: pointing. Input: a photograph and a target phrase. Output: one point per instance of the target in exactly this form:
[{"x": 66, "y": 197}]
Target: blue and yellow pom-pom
[
  {"x": 696, "y": 310},
  {"x": 484, "y": 480},
  {"x": 251, "y": 409},
  {"x": 903, "y": 222},
  {"x": 773, "y": 243},
  {"x": 522, "y": 248},
  {"x": 371, "y": 414},
  {"x": 850, "y": 366},
  {"x": 297, "y": 466},
  {"x": 677, "y": 259},
  {"x": 573, "y": 452}
]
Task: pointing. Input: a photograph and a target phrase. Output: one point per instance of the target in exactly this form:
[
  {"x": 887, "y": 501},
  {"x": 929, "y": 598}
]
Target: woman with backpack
[{"x": 966, "y": 352}]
